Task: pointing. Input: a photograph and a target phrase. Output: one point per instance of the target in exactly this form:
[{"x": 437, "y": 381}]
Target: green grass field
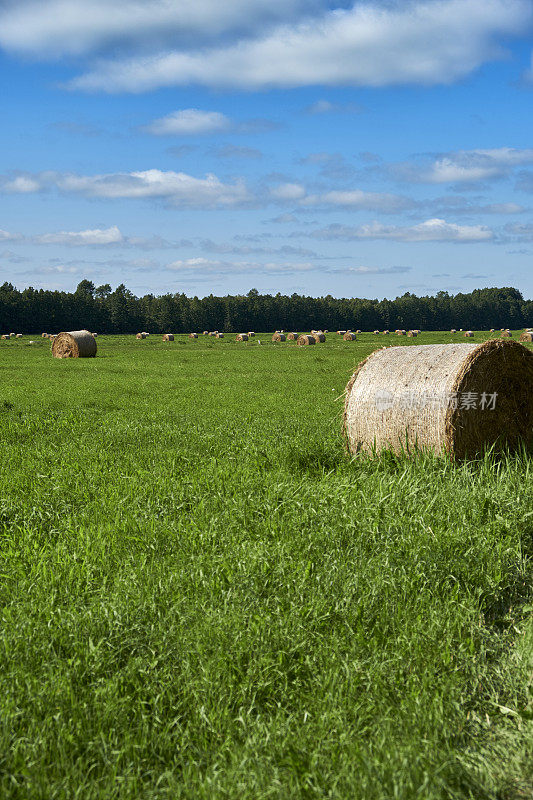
[{"x": 204, "y": 596}]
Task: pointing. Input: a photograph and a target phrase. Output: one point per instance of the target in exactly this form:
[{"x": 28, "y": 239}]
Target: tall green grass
[{"x": 203, "y": 596}]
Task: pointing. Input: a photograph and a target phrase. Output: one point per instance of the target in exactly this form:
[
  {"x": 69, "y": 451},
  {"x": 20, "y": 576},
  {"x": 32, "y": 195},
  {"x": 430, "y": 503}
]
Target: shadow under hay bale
[
  {"x": 458, "y": 399},
  {"x": 305, "y": 339},
  {"x": 74, "y": 344}
]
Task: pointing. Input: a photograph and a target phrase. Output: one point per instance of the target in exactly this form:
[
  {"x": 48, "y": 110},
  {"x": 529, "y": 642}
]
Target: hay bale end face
[
  {"x": 305, "y": 339},
  {"x": 278, "y": 337},
  {"x": 168, "y": 337},
  {"x": 74, "y": 344},
  {"x": 526, "y": 337},
  {"x": 457, "y": 399},
  {"x": 241, "y": 337},
  {"x": 349, "y": 337}
]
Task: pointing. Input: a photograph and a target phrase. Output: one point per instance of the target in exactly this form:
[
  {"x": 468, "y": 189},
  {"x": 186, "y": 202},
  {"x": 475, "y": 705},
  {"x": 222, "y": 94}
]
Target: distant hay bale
[
  {"x": 74, "y": 344},
  {"x": 349, "y": 337},
  {"x": 412, "y": 333},
  {"x": 219, "y": 335},
  {"x": 44, "y": 336},
  {"x": 453, "y": 330},
  {"x": 449, "y": 398},
  {"x": 319, "y": 338},
  {"x": 341, "y": 333},
  {"x": 278, "y": 337},
  {"x": 5, "y": 336},
  {"x": 19, "y": 336},
  {"x": 292, "y": 337},
  {"x": 212, "y": 333},
  {"x": 241, "y": 337},
  {"x": 205, "y": 333},
  {"x": 141, "y": 336},
  {"x": 305, "y": 339},
  {"x": 469, "y": 334},
  {"x": 507, "y": 334},
  {"x": 401, "y": 333},
  {"x": 527, "y": 336},
  {"x": 168, "y": 337},
  {"x": 376, "y": 332},
  {"x": 251, "y": 334},
  {"x": 12, "y": 335},
  {"x": 358, "y": 331},
  {"x": 491, "y": 330},
  {"x": 386, "y": 333},
  {"x": 193, "y": 336}
]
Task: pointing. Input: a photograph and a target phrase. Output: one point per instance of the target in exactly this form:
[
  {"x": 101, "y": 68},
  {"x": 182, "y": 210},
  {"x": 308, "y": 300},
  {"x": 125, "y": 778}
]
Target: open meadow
[{"x": 204, "y": 596}]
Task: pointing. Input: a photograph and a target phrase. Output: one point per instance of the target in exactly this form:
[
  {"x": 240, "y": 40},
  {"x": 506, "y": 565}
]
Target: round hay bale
[
  {"x": 305, "y": 339},
  {"x": 74, "y": 344},
  {"x": 527, "y": 336},
  {"x": 349, "y": 337},
  {"x": 341, "y": 333},
  {"x": 251, "y": 334},
  {"x": 386, "y": 333},
  {"x": 205, "y": 333},
  {"x": 19, "y": 336},
  {"x": 44, "y": 336},
  {"x": 141, "y": 336},
  {"x": 450, "y": 398},
  {"x": 401, "y": 333},
  {"x": 212, "y": 333},
  {"x": 376, "y": 332},
  {"x": 491, "y": 330},
  {"x": 193, "y": 336},
  {"x": 292, "y": 337},
  {"x": 168, "y": 337},
  {"x": 241, "y": 337},
  {"x": 319, "y": 338},
  {"x": 219, "y": 335},
  {"x": 453, "y": 330},
  {"x": 5, "y": 336},
  {"x": 278, "y": 337},
  {"x": 412, "y": 333},
  {"x": 507, "y": 334},
  {"x": 469, "y": 334},
  {"x": 358, "y": 331}
]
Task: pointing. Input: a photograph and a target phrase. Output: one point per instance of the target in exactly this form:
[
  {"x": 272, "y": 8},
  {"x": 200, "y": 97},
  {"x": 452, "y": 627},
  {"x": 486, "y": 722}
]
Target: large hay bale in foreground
[
  {"x": 168, "y": 337},
  {"x": 74, "y": 344},
  {"x": 141, "y": 336},
  {"x": 241, "y": 337},
  {"x": 319, "y": 337},
  {"x": 305, "y": 339},
  {"x": 349, "y": 337},
  {"x": 278, "y": 337},
  {"x": 526, "y": 337},
  {"x": 450, "y": 398}
]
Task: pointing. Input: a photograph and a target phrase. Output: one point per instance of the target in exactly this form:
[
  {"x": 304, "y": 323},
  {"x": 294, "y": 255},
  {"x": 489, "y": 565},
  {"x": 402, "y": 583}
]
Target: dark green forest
[{"x": 101, "y": 309}]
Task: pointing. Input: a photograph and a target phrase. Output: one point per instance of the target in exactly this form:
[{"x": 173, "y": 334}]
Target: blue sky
[{"x": 354, "y": 149}]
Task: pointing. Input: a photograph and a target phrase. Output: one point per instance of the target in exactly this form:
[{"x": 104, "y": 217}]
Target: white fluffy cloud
[
  {"x": 466, "y": 166},
  {"x": 432, "y": 230},
  {"x": 97, "y": 236},
  {"x": 177, "y": 188},
  {"x": 187, "y": 122},
  {"x": 370, "y": 44},
  {"x": 56, "y": 28},
  {"x": 5, "y": 236}
]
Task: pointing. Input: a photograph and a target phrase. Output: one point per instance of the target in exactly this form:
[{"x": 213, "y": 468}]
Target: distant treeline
[{"x": 101, "y": 309}]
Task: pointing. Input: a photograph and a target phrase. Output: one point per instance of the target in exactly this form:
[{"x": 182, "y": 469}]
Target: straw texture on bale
[
  {"x": 349, "y": 337},
  {"x": 278, "y": 337},
  {"x": 292, "y": 337},
  {"x": 377, "y": 417},
  {"x": 305, "y": 339},
  {"x": 193, "y": 336},
  {"x": 319, "y": 338},
  {"x": 526, "y": 337},
  {"x": 242, "y": 337},
  {"x": 168, "y": 337},
  {"x": 74, "y": 344},
  {"x": 141, "y": 336}
]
